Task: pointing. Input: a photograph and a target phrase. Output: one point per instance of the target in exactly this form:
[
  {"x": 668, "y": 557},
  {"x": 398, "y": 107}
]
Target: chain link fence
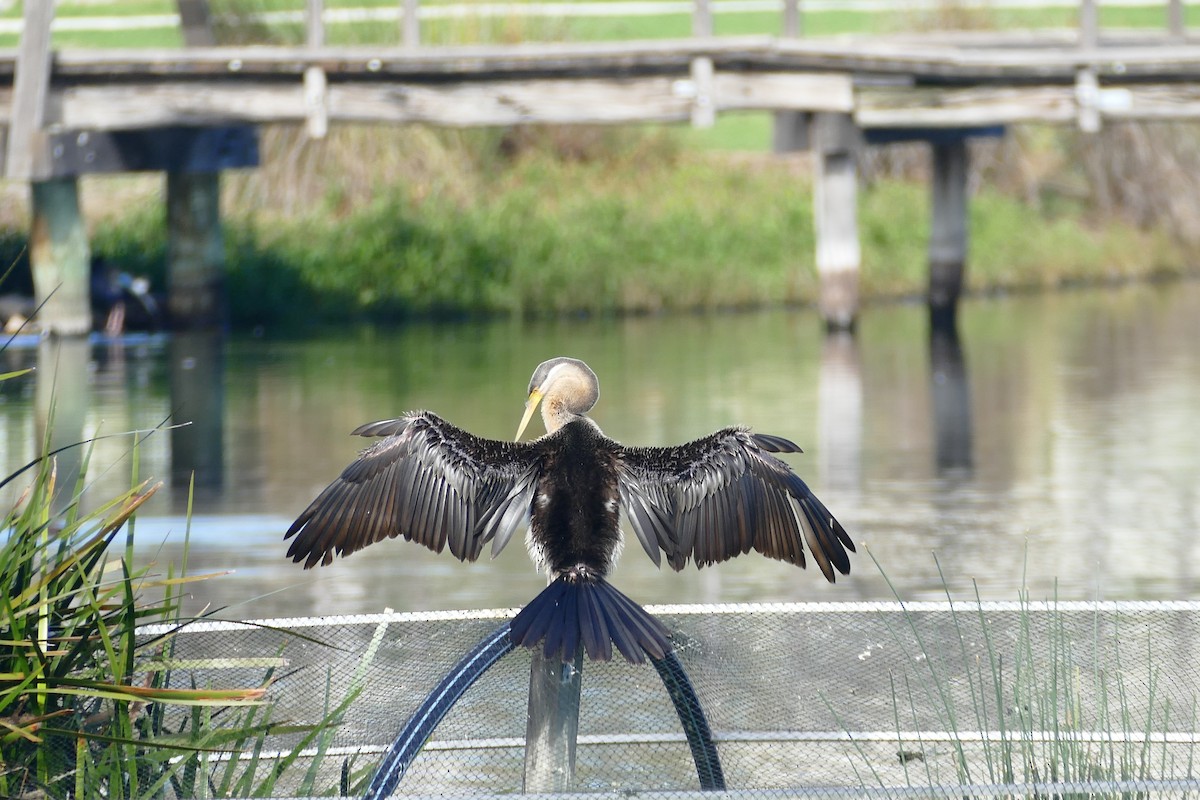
[{"x": 838, "y": 699}]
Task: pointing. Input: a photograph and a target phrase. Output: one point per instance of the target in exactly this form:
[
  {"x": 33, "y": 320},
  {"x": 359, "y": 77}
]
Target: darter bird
[{"x": 706, "y": 501}]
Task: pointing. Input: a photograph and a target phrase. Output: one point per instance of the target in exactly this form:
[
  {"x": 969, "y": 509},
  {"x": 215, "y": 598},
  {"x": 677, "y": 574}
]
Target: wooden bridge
[{"x": 192, "y": 112}]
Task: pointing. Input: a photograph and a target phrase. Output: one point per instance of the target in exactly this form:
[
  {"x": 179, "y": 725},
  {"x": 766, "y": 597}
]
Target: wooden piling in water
[
  {"x": 948, "y": 230},
  {"x": 195, "y": 245},
  {"x": 58, "y": 246},
  {"x": 835, "y": 213},
  {"x": 195, "y": 250},
  {"x": 60, "y": 258}
]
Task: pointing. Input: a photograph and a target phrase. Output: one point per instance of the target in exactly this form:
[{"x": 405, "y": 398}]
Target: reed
[
  {"x": 90, "y": 704},
  {"x": 1053, "y": 704}
]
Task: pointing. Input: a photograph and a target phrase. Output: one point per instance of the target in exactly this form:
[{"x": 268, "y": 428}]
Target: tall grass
[
  {"x": 91, "y": 705},
  {"x": 1039, "y": 705}
]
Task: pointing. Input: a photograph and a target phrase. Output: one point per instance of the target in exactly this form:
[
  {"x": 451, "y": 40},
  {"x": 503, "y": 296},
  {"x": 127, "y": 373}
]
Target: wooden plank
[
  {"x": 998, "y": 105},
  {"x": 964, "y": 108},
  {"x": 793, "y": 91},
  {"x": 1181, "y": 61},
  {"x": 30, "y": 88},
  {"x": 79, "y": 152},
  {"x": 131, "y": 106}
]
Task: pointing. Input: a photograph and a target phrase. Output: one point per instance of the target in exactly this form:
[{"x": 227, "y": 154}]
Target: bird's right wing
[
  {"x": 723, "y": 495},
  {"x": 427, "y": 481}
]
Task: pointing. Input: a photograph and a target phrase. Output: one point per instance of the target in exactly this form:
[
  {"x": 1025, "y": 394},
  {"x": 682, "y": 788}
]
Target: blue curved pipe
[
  {"x": 439, "y": 702},
  {"x": 695, "y": 724},
  {"x": 497, "y": 645}
]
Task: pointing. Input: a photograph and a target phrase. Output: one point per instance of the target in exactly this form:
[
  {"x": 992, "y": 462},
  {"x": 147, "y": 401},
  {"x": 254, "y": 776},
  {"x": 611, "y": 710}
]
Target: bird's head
[{"x": 566, "y": 388}]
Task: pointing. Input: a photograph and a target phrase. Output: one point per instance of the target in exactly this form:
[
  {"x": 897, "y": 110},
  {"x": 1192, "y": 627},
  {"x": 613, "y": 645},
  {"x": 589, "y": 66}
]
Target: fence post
[
  {"x": 1176, "y": 24},
  {"x": 412, "y": 23},
  {"x": 196, "y": 23},
  {"x": 317, "y": 122},
  {"x": 1089, "y": 24},
  {"x": 702, "y": 18}
]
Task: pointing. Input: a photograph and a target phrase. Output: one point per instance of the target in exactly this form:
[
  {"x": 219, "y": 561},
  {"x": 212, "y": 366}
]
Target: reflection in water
[
  {"x": 951, "y": 401},
  {"x": 839, "y": 410},
  {"x": 1066, "y": 460},
  {"x": 198, "y": 398},
  {"x": 62, "y": 403}
]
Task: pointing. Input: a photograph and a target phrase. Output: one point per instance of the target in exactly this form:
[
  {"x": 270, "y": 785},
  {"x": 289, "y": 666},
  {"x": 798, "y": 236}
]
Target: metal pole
[{"x": 553, "y": 726}]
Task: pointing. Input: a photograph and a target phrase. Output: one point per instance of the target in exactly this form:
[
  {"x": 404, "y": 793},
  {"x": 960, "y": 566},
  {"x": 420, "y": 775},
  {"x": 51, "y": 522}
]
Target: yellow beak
[{"x": 531, "y": 405}]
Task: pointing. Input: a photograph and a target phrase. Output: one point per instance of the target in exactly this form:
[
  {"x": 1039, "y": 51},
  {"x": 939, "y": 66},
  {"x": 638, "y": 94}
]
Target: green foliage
[
  {"x": 88, "y": 704},
  {"x": 546, "y": 223}
]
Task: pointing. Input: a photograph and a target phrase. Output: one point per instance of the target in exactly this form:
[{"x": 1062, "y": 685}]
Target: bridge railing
[{"x": 450, "y": 21}]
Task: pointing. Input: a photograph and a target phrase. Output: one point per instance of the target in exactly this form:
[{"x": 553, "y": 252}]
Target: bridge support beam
[
  {"x": 60, "y": 258},
  {"x": 835, "y": 141},
  {"x": 948, "y": 232},
  {"x": 195, "y": 250}
]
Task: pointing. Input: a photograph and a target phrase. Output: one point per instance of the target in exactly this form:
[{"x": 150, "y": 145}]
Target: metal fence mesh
[{"x": 833, "y": 699}]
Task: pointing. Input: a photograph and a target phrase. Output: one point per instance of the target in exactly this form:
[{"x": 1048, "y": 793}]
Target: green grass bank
[{"x": 377, "y": 224}]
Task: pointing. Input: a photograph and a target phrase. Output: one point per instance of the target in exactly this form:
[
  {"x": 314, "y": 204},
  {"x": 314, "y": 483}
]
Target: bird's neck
[{"x": 556, "y": 416}]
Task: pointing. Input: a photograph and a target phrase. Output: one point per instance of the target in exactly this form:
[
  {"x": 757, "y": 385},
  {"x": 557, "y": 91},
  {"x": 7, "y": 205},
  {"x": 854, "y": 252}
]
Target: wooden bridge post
[
  {"x": 315, "y": 82},
  {"x": 195, "y": 250},
  {"x": 195, "y": 246},
  {"x": 948, "y": 231},
  {"x": 60, "y": 258},
  {"x": 790, "y": 131},
  {"x": 58, "y": 245},
  {"x": 835, "y": 141}
]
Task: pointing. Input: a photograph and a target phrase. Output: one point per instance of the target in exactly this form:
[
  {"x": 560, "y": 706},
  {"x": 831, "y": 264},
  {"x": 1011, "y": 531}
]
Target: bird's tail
[{"x": 586, "y": 609}]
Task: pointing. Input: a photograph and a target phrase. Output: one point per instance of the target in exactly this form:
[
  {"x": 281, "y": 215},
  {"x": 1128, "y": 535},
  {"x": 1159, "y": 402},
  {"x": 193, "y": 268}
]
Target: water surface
[{"x": 1054, "y": 446}]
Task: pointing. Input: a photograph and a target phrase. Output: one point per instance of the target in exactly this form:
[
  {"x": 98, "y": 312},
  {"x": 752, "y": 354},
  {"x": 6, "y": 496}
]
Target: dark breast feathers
[{"x": 575, "y": 519}]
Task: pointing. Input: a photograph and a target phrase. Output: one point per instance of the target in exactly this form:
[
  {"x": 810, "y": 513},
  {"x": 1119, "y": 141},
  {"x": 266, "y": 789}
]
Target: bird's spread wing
[
  {"x": 427, "y": 481},
  {"x": 723, "y": 495}
]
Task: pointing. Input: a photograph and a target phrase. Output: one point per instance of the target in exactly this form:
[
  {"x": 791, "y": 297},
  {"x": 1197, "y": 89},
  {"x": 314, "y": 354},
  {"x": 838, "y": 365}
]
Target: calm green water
[{"x": 1057, "y": 447}]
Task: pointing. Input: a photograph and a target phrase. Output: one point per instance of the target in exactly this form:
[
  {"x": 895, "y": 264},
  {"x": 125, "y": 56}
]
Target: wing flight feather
[
  {"x": 721, "y": 496},
  {"x": 426, "y": 481}
]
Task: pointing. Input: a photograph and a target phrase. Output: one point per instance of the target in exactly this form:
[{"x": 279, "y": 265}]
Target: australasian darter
[{"x": 708, "y": 501}]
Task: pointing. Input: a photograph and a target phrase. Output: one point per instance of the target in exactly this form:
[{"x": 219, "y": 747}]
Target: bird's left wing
[
  {"x": 427, "y": 481},
  {"x": 723, "y": 495}
]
